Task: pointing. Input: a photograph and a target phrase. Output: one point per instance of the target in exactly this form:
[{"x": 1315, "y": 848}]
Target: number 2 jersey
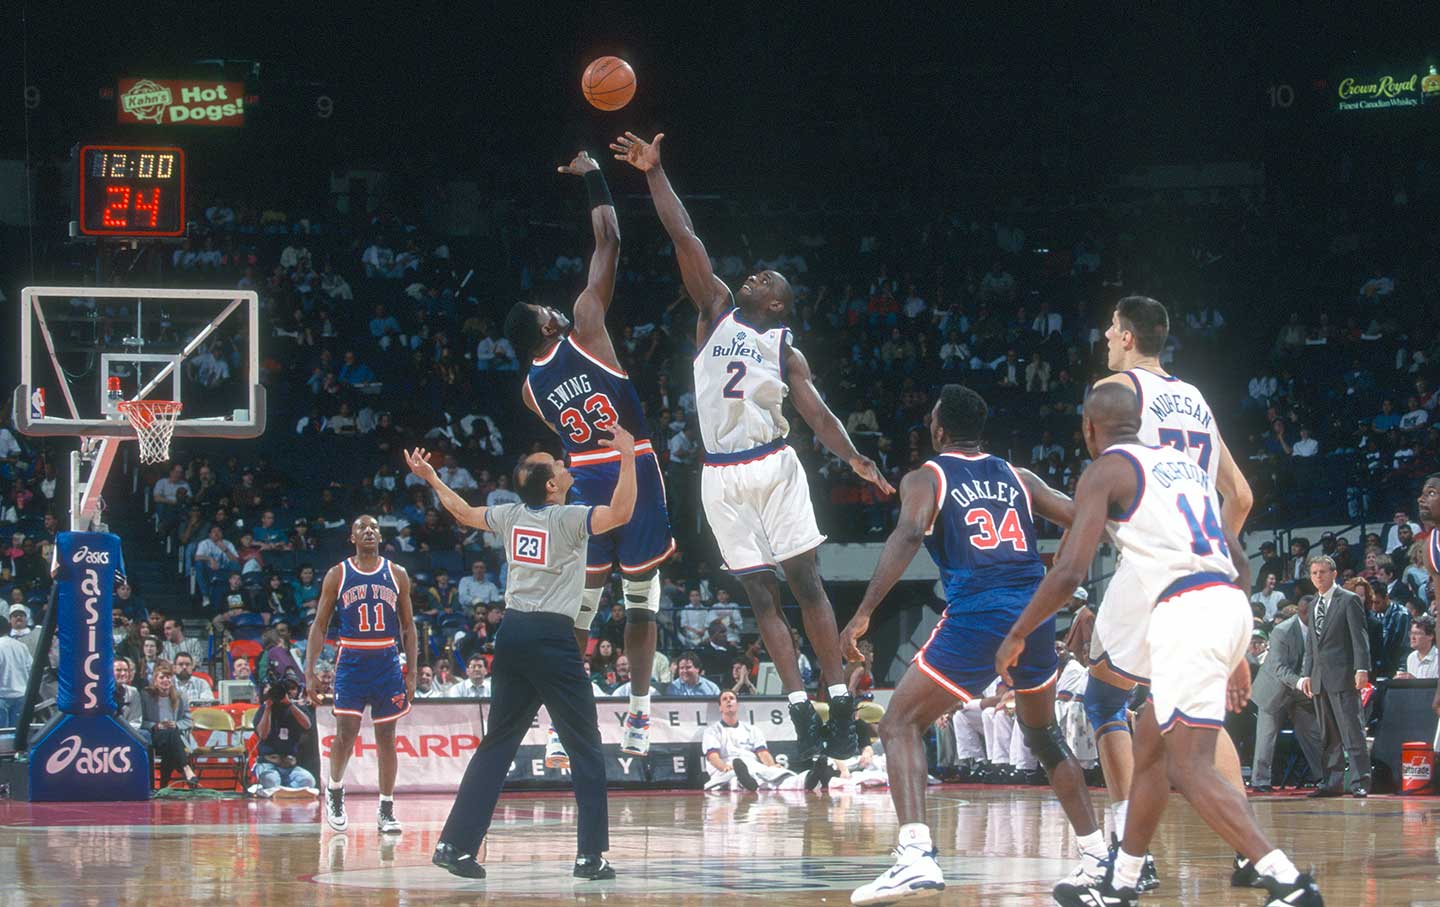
[
  {"x": 1170, "y": 535},
  {"x": 740, "y": 385},
  {"x": 983, "y": 534}
]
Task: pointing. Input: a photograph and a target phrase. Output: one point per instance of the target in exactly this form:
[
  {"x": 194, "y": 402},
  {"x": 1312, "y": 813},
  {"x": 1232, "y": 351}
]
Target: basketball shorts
[
  {"x": 758, "y": 505},
  {"x": 960, "y": 653},
  {"x": 640, "y": 545},
  {"x": 1198, "y": 634},
  {"x": 373, "y": 678},
  {"x": 1118, "y": 651}
]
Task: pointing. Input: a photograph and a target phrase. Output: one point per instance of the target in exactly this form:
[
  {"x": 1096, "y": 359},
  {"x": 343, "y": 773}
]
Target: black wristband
[{"x": 597, "y": 189}]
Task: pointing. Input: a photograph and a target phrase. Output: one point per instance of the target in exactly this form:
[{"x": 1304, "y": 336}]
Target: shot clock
[{"x": 131, "y": 190}]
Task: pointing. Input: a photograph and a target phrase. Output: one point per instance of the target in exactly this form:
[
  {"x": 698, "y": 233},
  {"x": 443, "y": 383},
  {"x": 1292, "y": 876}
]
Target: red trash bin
[{"x": 1417, "y": 764}]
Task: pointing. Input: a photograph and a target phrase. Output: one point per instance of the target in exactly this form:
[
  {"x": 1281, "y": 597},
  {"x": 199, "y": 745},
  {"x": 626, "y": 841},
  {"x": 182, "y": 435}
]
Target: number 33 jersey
[
  {"x": 583, "y": 398},
  {"x": 982, "y": 536},
  {"x": 740, "y": 385},
  {"x": 1171, "y": 530}
]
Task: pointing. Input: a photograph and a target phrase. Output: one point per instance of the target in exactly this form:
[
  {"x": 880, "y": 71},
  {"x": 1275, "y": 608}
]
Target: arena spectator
[
  {"x": 425, "y": 685},
  {"x": 477, "y": 589},
  {"x": 1389, "y": 628},
  {"x": 127, "y": 698},
  {"x": 695, "y": 619},
  {"x": 281, "y": 727},
  {"x": 476, "y": 684},
  {"x": 196, "y": 690},
  {"x": 20, "y": 628},
  {"x": 688, "y": 681},
  {"x": 167, "y": 719},
  {"x": 1269, "y": 597},
  {"x": 15, "y": 660},
  {"x": 717, "y": 653},
  {"x": 738, "y": 758}
]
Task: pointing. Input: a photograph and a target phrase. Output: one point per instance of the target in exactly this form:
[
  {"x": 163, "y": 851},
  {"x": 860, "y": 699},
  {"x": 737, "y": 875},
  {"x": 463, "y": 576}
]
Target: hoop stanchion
[{"x": 154, "y": 424}]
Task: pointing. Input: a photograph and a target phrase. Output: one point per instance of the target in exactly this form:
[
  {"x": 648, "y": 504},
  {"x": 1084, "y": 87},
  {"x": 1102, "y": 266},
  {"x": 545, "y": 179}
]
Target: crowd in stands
[{"x": 1310, "y": 337}]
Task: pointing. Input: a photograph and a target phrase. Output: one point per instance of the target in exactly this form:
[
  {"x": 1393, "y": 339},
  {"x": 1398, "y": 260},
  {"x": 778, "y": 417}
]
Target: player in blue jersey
[
  {"x": 576, "y": 385},
  {"x": 373, "y": 598},
  {"x": 975, "y": 514}
]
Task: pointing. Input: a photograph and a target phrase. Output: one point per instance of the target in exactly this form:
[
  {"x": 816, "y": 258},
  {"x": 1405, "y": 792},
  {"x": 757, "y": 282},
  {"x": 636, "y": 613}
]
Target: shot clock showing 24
[{"x": 130, "y": 190}]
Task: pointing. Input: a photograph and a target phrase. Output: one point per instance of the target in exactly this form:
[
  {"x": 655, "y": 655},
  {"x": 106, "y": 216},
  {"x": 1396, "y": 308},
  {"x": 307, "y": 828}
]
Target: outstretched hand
[
  {"x": 638, "y": 153},
  {"x": 581, "y": 165},
  {"x": 620, "y": 440},
  {"x": 850, "y": 638},
  {"x": 419, "y": 462},
  {"x": 1237, "y": 689},
  {"x": 866, "y": 469},
  {"x": 1008, "y": 655}
]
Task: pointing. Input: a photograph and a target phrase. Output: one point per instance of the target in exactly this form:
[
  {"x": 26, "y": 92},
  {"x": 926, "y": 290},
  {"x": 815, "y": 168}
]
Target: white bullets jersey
[
  {"x": 1172, "y": 529},
  {"x": 1174, "y": 413},
  {"x": 740, "y": 385}
]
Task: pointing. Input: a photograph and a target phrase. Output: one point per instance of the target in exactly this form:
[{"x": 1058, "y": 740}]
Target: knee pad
[
  {"x": 589, "y": 604},
  {"x": 642, "y": 594},
  {"x": 1047, "y": 743},
  {"x": 1105, "y": 707}
]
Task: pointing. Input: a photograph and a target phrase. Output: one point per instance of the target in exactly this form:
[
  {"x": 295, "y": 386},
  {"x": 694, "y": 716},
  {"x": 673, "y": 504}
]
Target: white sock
[
  {"x": 797, "y": 697},
  {"x": 332, "y": 784},
  {"x": 384, "y": 798},
  {"x": 1120, "y": 809},
  {"x": 1093, "y": 845},
  {"x": 1278, "y": 867},
  {"x": 640, "y": 705},
  {"x": 1127, "y": 870},
  {"x": 837, "y": 689},
  {"x": 915, "y": 834}
]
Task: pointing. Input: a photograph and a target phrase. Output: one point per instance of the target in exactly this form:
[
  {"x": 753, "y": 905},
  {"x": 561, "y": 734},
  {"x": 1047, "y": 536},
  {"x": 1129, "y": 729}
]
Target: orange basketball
[{"x": 608, "y": 83}]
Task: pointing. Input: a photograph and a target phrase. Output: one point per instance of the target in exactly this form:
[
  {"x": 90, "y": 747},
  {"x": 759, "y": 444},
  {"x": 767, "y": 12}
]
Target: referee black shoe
[
  {"x": 464, "y": 865},
  {"x": 593, "y": 869},
  {"x": 841, "y": 742},
  {"x": 809, "y": 733}
]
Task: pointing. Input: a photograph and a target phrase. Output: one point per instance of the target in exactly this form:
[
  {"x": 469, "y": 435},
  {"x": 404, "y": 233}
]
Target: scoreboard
[{"x": 130, "y": 190}]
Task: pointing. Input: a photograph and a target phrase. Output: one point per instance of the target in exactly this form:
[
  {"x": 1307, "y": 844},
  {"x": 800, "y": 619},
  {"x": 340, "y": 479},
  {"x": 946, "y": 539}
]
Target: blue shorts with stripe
[
  {"x": 373, "y": 678},
  {"x": 645, "y": 542},
  {"x": 960, "y": 654}
]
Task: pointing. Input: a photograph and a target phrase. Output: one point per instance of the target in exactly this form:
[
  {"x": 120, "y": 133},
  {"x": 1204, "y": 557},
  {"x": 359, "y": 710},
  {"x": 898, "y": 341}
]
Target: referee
[{"x": 536, "y": 659}]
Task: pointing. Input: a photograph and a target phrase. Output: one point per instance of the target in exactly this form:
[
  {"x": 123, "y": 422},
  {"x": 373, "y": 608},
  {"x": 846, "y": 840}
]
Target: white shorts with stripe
[
  {"x": 1198, "y": 634},
  {"x": 758, "y": 505}
]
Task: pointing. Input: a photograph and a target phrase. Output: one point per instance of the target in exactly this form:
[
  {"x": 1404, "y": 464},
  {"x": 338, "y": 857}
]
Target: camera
[{"x": 279, "y": 686}]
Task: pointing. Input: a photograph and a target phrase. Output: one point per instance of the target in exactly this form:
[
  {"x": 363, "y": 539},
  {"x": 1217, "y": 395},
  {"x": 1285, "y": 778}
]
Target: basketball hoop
[{"x": 154, "y": 423}]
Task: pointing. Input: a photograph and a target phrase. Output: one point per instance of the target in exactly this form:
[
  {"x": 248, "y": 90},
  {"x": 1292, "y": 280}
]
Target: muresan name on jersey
[
  {"x": 967, "y": 493},
  {"x": 568, "y": 390},
  {"x": 1163, "y": 405},
  {"x": 1167, "y": 473},
  {"x": 737, "y": 347}
]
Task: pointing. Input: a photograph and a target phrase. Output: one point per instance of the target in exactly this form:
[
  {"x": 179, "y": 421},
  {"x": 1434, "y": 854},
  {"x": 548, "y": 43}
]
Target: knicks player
[
  {"x": 576, "y": 385},
  {"x": 373, "y": 595},
  {"x": 1173, "y": 413},
  {"x": 975, "y": 514},
  {"x": 1160, "y": 508},
  {"x": 753, "y": 486}
]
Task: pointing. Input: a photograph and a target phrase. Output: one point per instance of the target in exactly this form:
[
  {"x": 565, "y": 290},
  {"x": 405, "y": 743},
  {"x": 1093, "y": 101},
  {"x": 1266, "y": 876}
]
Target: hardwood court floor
[{"x": 999, "y": 846}]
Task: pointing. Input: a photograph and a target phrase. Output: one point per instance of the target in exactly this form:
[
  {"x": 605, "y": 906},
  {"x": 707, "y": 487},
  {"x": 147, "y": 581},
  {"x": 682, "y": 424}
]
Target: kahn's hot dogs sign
[
  {"x": 169, "y": 102},
  {"x": 1385, "y": 90}
]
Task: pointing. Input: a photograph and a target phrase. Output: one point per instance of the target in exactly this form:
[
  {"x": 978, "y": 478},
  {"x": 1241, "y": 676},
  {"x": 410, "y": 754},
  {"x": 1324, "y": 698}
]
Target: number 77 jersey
[
  {"x": 983, "y": 534},
  {"x": 1170, "y": 533}
]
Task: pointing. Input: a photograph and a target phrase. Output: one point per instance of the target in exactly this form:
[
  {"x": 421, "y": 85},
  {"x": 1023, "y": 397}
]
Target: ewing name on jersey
[{"x": 583, "y": 398}]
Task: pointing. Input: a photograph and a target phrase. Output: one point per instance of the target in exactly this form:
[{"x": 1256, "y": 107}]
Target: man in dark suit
[
  {"x": 1337, "y": 666},
  {"x": 1277, "y": 696}
]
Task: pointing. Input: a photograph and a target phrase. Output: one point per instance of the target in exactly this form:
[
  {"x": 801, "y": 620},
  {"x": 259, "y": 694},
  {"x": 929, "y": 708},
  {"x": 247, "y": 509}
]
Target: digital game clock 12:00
[{"x": 131, "y": 191}]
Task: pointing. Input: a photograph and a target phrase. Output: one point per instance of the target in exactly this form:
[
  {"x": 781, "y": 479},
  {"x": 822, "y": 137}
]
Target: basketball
[{"x": 608, "y": 83}]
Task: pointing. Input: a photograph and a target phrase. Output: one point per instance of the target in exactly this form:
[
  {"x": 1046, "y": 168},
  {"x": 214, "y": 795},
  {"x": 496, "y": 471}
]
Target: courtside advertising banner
[
  {"x": 437, "y": 738},
  {"x": 171, "y": 102},
  {"x": 85, "y": 568}
]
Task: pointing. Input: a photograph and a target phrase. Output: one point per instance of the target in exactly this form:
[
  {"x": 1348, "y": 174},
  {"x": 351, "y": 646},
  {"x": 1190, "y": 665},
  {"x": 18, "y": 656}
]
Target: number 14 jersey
[{"x": 983, "y": 534}]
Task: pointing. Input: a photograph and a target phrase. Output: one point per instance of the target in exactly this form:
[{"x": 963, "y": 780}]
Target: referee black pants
[{"x": 536, "y": 663}]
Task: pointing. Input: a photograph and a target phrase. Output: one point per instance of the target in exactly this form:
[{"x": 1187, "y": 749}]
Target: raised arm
[
  {"x": 329, "y": 590},
  {"x": 823, "y": 422},
  {"x": 917, "y": 512},
  {"x": 709, "y": 292},
  {"x": 1108, "y": 479},
  {"x": 408, "y": 639},
  {"x": 594, "y": 301},
  {"x": 1045, "y": 501},
  {"x": 622, "y": 502},
  {"x": 465, "y": 514}
]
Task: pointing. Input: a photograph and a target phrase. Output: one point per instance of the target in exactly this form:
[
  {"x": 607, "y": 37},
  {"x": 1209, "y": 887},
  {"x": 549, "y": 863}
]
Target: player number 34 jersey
[
  {"x": 1172, "y": 529},
  {"x": 740, "y": 385}
]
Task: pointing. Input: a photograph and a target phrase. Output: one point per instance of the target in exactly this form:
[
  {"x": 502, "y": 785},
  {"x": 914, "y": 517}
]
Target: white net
[{"x": 154, "y": 423}]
